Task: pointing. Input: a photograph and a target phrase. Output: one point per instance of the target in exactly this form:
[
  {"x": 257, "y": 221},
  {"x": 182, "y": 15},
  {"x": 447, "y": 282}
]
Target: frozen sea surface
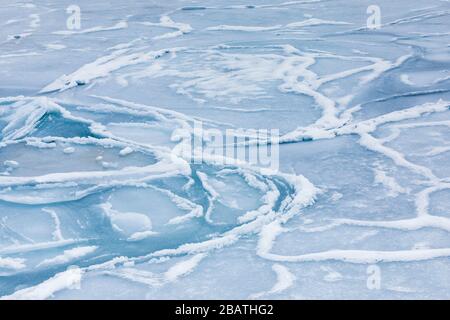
[{"x": 98, "y": 201}]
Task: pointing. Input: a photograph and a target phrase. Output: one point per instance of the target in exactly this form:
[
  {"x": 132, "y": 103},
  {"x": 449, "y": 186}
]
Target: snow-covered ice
[{"x": 99, "y": 200}]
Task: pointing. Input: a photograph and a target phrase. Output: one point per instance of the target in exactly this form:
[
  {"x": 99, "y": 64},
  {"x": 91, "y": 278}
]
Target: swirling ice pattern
[{"x": 96, "y": 193}]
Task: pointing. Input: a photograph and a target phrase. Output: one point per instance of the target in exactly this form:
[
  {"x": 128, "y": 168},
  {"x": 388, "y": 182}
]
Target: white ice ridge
[
  {"x": 424, "y": 219},
  {"x": 12, "y": 263},
  {"x": 404, "y": 20},
  {"x": 117, "y": 26},
  {"x": 363, "y": 256},
  {"x": 315, "y": 22},
  {"x": 261, "y": 6},
  {"x": 12, "y": 164},
  {"x": 67, "y": 256},
  {"x": 194, "y": 210},
  {"x": 365, "y": 127},
  {"x": 285, "y": 280},
  {"x": 292, "y": 203},
  {"x": 158, "y": 170},
  {"x": 306, "y": 23},
  {"x": 184, "y": 267},
  {"x": 167, "y": 22},
  {"x": 232, "y": 236},
  {"x": 24, "y": 115},
  {"x": 126, "y": 151},
  {"x": 57, "y": 234},
  {"x": 247, "y": 72},
  {"x": 69, "y": 279},
  {"x": 394, "y": 189},
  {"x": 147, "y": 278},
  {"x": 303, "y": 195},
  {"x": 135, "y": 226},
  {"x": 212, "y": 194},
  {"x": 16, "y": 55},
  {"x": 417, "y": 17},
  {"x": 151, "y": 279},
  {"x": 103, "y": 67},
  {"x": 24, "y": 248},
  {"x": 225, "y": 27}
]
